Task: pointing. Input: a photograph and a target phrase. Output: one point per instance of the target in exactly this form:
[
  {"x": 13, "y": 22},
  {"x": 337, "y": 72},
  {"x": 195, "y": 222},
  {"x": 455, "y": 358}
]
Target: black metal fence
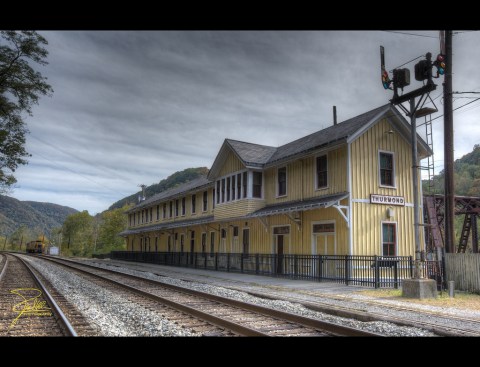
[{"x": 372, "y": 271}]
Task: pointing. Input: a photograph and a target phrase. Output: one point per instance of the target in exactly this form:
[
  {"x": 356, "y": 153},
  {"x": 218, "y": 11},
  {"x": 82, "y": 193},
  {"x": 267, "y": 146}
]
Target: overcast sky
[{"x": 133, "y": 107}]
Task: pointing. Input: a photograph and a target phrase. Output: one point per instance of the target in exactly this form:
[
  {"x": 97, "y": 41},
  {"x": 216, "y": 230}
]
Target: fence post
[
  {"x": 216, "y": 260},
  {"x": 377, "y": 273},
  {"x": 205, "y": 261},
  {"x": 347, "y": 271},
  {"x": 410, "y": 260},
  {"x": 395, "y": 274},
  {"x": 196, "y": 257},
  {"x": 257, "y": 263},
  {"x": 241, "y": 262},
  {"x": 228, "y": 262},
  {"x": 320, "y": 262},
  {"x": 295, "y": 266}
]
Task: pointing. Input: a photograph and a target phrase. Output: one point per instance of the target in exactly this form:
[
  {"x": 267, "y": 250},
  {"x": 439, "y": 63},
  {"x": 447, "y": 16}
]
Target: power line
[
  {"x": 459, "y": 107},
  {"x": 411, "y": 34},
  {"x": 81, "y": 159},
  {"x": 77, "y": 173},
  {"x": 406, "y": 63}
]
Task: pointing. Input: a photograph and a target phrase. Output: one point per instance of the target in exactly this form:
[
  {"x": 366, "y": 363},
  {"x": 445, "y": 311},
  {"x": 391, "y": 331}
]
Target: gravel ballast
[
  {"x": 381, "y": 327},
  {"x": 112, "y": 314}
]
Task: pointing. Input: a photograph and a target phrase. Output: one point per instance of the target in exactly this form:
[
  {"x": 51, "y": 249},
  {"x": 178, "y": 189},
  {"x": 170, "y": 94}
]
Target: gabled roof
[
  {"x": 197, "y": 183},
  {"x": 325, "y": 137},
  {"x": 251, "y": 155}
]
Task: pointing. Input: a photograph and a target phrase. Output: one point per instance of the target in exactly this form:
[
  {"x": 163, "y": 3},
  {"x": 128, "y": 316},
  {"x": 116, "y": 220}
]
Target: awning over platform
[
  {"x": 294, "y": 206},
  {"x": 169, "y": 225}
]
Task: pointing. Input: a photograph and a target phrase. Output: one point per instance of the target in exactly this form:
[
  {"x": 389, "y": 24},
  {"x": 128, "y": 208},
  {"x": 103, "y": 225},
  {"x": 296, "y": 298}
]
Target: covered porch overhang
[
  {"x": 292, "y": 209},
  {"x": 167, "y": 226}
]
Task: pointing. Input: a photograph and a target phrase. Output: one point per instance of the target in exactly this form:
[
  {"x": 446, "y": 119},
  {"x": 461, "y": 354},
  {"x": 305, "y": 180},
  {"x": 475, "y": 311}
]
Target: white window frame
[
  {"x": 334, "y": 234},
  {"x": 277, "y": 185},
  {"x": 394, "y": 170},
  {"x": 315, "y": 175},
  {"x": 232, "y": 199},
  {"x": 381, "y": 236},
  {"x": 289, "y": 237}
]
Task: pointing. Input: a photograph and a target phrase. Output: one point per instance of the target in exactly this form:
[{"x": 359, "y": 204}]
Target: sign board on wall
[{"x": 387, "y": 200}]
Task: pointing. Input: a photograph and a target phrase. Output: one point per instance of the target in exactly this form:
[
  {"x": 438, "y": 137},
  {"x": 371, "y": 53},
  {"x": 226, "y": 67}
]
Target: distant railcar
[{"x": 36, "y": 247}]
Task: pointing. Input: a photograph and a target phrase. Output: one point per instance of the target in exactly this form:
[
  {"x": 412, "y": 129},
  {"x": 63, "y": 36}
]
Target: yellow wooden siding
[
  {"x": 301, "y": 178},
  {"x": 188, "y": 208},
  {"x": 367, "y": 238},
  {"x": 232, "y": 164},
  {"x": 238, "y": 208},
  {"x": 365, "y": 163},
  {"x": 367, "y": 218},
  {"x": 299, "y": 241}
]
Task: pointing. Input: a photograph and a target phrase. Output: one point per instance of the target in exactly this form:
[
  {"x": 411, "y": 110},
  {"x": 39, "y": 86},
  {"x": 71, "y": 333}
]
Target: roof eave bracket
[{"x": 345, "y": 215}]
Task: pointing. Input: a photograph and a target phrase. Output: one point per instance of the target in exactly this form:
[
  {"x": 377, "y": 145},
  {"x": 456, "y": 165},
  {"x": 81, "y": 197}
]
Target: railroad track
[
  {"x": 209, "y": 314},
  {"x": 438, "y": 325},
  {"x": 471, "y": 327},
  {"x": 29, "y": 306}
]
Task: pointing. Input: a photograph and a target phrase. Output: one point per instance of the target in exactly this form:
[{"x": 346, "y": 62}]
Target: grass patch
[{"x": 462, "y": 300}]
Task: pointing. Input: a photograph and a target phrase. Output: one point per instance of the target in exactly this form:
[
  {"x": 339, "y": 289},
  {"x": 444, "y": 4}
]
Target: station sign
[{"x": 387, "y": 200}]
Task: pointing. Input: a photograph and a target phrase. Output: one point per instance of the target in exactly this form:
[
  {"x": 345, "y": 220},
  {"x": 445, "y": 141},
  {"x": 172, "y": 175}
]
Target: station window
[
  {"x": 218, "y": 192},
  {"x": 246, "y": 241},
  {"x": 164, "y": 210},
  {"x": 171, "y": 209},
  {"x": 282, "y": 181},
  {"x": 158, "y": 212},
  {"x": 205, "y": 201},
  {"x": 386, "y": 169},
  {"x": 257, "y": 185},
  {"x": 213, "y": 199},
  {"x": 176, "y": 207},
  {"x": 183, "y": 206},
  {"x": 194, "y": 203},
  {"x": 389, "y": 239},
  {"x": 228, "y": 189},
  {"x": 223, "y": 190},
  {"x": 233, "y": 187},
  {"x": 322, "y": 172},
  {"x": 239, "y": 185},
  {"x": 235, "y": 231},
  {"x": 244, "y": 184}
]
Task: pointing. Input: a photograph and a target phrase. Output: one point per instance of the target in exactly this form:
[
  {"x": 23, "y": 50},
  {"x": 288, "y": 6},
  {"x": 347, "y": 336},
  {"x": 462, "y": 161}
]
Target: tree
[
  {"x": 113, "y": 222},
  {"x": 20, "y": 88},
  {"x": 78, "y": 234}
]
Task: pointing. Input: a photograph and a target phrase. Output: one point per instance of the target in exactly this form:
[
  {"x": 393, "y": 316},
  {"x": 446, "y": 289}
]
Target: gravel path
[
  {"x": 385, "y": 328},
  {"x": 112, "y": 314}
]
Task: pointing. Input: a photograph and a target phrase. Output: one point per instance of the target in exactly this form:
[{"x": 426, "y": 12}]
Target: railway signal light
[
  {"x": 401, "y": 78},
  {"x": 385, "y": 79},
  {"x": 440, "y": 64},
  {"x": 421, "y": 70}
]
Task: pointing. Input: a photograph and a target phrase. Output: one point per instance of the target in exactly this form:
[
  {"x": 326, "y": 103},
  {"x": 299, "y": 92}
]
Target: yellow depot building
[{"x": 344, "y": 190}]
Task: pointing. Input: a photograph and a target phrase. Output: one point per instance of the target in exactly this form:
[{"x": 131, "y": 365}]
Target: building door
[
  {"x": 192, "y": 246},
  {"x": 280, "y": 241},
  {"x": 325, "y": 244},
  {"x": 281, "y": 236}
]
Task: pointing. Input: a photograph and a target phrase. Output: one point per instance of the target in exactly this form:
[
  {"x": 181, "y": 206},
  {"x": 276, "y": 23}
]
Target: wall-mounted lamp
[{"x": 390, "y": 212}]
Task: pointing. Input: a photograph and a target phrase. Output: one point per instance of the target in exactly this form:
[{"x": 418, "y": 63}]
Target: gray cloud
[{"x": 134, "y": 107}]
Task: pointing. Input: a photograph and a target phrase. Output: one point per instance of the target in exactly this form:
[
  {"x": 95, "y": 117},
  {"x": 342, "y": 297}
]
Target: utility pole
[{"x": 448, "y": 148}]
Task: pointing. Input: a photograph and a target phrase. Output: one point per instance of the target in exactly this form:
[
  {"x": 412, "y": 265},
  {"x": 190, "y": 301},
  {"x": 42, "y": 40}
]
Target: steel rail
[
  {"x": 62, "y": 317},
  {"x": 334, "y": 329}
]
